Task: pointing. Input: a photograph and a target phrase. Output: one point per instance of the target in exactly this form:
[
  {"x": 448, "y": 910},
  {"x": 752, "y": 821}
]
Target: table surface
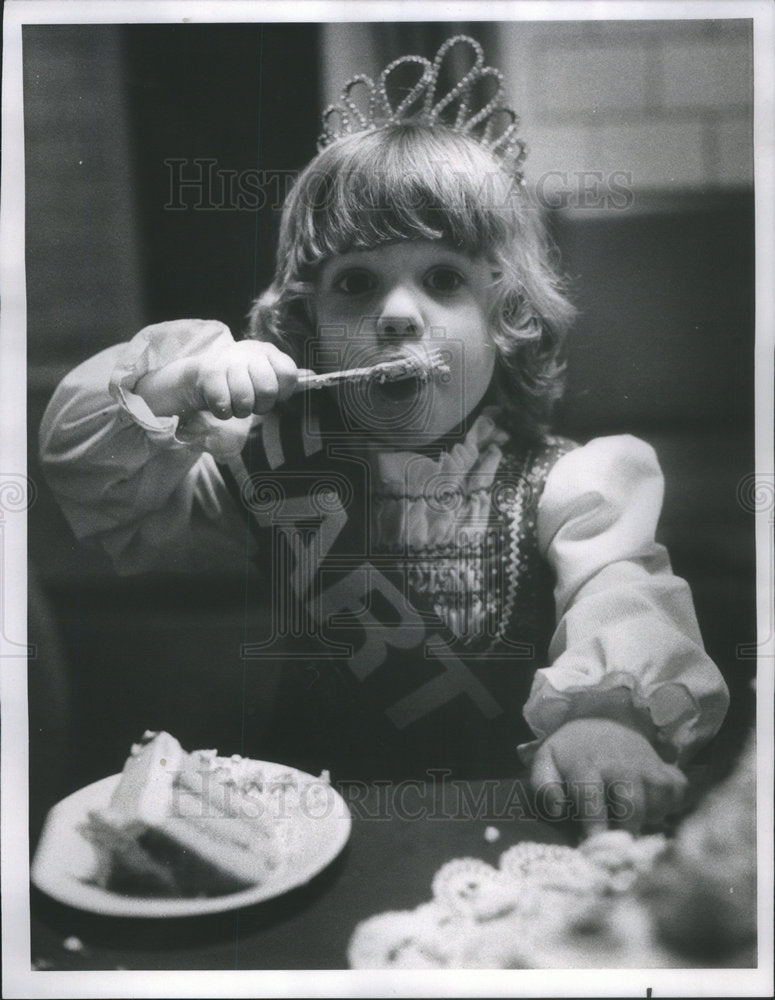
[{"x": 401, "y": 835}]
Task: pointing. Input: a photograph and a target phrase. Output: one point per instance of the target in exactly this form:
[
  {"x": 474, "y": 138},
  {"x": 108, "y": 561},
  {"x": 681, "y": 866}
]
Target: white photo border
[{"x": 19, "y": 980}]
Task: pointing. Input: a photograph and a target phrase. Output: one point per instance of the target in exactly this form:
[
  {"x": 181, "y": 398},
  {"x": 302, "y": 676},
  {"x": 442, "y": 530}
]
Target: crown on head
[{"x": 472, "y": 105}]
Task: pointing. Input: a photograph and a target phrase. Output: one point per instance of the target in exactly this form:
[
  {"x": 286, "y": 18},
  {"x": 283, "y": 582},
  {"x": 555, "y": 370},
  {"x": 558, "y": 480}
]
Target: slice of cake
[{"x": 191, "y": 824}]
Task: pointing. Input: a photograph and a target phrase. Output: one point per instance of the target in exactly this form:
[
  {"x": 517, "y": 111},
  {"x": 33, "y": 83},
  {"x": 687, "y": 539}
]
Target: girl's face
[{"x": 406, "y": 299}]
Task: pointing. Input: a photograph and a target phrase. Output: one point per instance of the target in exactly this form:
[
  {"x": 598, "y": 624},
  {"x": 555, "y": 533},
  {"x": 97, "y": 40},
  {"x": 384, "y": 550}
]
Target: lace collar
[{"x": 422, "y": 503}]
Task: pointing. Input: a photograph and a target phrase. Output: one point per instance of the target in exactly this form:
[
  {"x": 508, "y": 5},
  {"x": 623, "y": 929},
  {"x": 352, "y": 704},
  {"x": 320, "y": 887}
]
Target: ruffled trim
[
  {"x": 151, "y": 349},
  {"x": 669, "y": 707},
  {"x": 422, "y": 504}
]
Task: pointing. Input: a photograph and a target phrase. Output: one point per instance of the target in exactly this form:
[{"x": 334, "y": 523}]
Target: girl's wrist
[
  {"x": 632, "y": 720},
  {"x": 171, "y": 391},
  {"x": 618, "y": 707}
]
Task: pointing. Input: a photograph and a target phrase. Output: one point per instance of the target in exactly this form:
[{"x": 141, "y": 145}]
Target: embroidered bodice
[{"x": 462, "y": 527}]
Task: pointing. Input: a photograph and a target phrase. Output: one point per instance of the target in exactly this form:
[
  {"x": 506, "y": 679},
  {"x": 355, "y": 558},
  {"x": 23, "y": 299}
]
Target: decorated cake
[{"x": 192, "y": 824}]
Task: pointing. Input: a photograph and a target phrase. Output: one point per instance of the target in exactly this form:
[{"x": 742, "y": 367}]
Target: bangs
[
  {"x": 419, "y": 182},
  {"x": 405, "y": 182}
]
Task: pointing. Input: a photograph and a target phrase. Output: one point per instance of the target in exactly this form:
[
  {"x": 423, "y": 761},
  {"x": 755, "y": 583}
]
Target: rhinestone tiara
[{"x": 472, "y": 106}]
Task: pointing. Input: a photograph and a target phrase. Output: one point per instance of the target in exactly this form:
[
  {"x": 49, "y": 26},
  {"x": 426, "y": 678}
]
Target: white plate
[{"x": 65, "y": 860}]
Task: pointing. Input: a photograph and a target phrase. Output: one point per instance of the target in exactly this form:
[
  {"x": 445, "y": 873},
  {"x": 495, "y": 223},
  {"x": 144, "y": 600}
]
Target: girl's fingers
[
  {"x": 285, "y": 371},
  {"x": 216, "y": 394},
  {"x": 265, "y": 384},
  {"x": 546, "y": 779},
  {"x": 660, "y": 798},
  {"x": 665, "y": 793},
  {"x": 249, "y": 377},
  {"x": 241, "y": 390},
  {"x": 679, "y": 785},
  {"x": 635, "y": 812},
  {"x": 589, "y": 804}
]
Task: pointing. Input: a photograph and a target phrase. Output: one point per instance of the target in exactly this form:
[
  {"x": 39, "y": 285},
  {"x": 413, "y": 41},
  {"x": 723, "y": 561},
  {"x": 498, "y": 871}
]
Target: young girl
[{"x": 434, "y": 560}]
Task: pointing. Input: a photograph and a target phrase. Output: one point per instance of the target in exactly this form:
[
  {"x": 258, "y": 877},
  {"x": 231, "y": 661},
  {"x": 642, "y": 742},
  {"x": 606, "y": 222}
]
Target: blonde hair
[{"x": 412, "y": 181}]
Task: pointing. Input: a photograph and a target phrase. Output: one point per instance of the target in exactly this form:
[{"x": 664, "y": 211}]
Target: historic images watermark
[
  {"x": 204, "y": 794},
  {"x": 202, "y": 184}
]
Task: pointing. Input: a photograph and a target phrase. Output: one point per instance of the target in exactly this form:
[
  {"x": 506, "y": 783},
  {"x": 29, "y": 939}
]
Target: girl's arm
[
  {"x": 627, "y": 652},
  {"x": 146, "y": 486}
]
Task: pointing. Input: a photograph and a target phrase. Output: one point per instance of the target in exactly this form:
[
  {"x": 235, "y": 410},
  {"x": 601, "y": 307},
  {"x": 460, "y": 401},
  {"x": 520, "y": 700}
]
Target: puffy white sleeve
[
  {"x": 146, "y": 487},
  {"x": 627, "y": 643}
]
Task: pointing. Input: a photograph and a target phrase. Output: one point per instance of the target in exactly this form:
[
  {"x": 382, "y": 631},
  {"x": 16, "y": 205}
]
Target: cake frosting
[{"x": 192, "y": 824}]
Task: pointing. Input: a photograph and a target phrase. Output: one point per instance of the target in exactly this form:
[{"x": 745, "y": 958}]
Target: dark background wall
[
  {"x": 663, "y": 348},
  {"x": 238, "y": 105}
]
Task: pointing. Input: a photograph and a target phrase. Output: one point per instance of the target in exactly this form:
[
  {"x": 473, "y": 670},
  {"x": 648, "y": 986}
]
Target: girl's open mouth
[
  {"x": 423, "y": 369},
  {"x": 400, "y": 391},
  {"x": 391, "y": 396}
]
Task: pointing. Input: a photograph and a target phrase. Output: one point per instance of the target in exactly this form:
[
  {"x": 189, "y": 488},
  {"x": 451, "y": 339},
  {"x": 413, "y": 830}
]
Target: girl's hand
[
  {"x": 592, "y": 767},
  {"x": 245, "y": 377},
  {"x": 248, "y": 377}
]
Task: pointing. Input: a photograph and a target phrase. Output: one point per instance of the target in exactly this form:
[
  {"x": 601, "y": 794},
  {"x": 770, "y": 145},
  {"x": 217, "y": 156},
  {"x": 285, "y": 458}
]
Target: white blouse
[{"x": 626, "y": 645}]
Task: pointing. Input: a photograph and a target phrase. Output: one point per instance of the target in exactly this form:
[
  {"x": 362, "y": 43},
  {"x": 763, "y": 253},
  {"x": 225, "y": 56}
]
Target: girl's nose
[{"x": 399, "y": 318}]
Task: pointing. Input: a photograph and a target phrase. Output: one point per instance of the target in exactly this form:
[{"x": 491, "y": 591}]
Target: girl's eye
[
  {"x": 444, "y": 280},
  {"x": 355, "y": 282}
]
